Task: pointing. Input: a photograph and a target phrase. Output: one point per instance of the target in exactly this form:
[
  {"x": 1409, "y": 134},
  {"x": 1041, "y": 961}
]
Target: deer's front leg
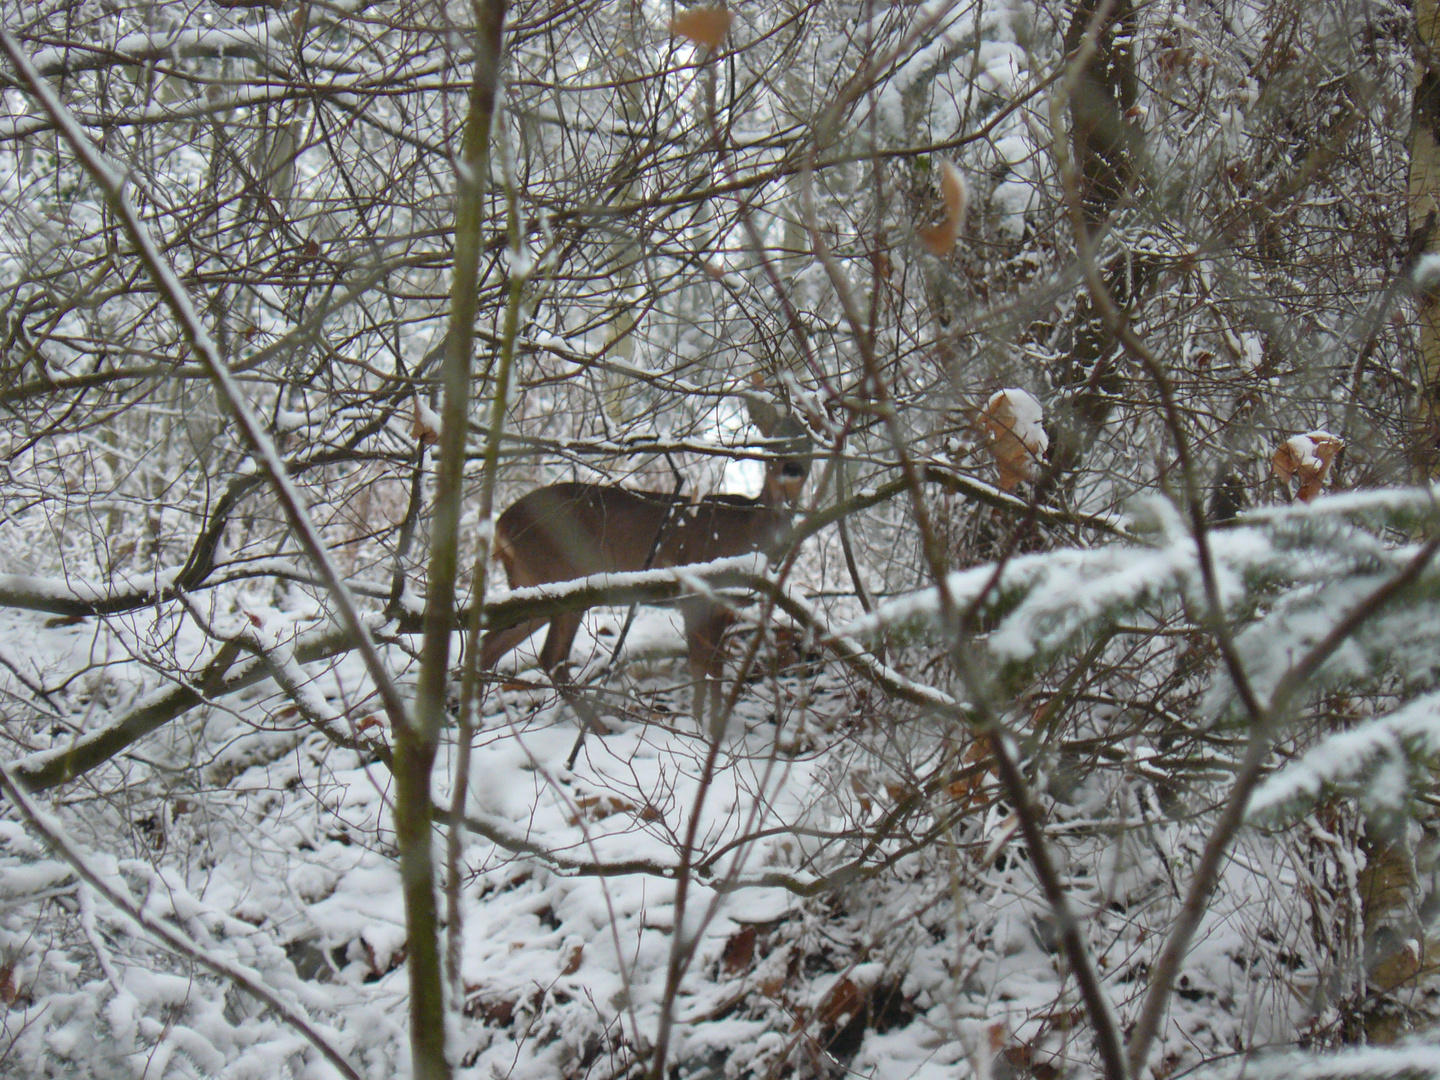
[
  {"x": 559, "y": 641},
  {"x": 497, "y": 643}
]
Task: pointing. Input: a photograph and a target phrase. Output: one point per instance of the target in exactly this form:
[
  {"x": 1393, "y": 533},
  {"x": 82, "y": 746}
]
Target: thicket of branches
[{"x": 1099, "y": 752}]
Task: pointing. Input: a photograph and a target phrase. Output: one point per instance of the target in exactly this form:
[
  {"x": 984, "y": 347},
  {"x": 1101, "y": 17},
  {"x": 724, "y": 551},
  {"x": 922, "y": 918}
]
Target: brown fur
[{"x": 568, "y": 531}]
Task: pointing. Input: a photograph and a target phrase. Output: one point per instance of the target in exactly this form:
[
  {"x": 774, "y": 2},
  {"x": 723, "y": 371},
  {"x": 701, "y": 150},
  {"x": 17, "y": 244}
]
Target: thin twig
[{"x": 111, "y": 184}]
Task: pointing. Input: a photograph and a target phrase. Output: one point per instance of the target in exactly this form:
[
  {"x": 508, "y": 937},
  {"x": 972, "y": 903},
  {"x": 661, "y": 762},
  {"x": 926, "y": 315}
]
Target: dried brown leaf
[
  {"x": 426, "y": 428},
  {"x": 573, "y": 959},
  {"x": 939, "y": 240},
  {"x": 492, "y": 1010},
  {"x": 1307, "y": 457},
  {"x": 844, "y": 1000},
  {"x": 702, "y": 26},
  {"x": 599, "y": 807},
  {"x": 739, "y": 951},
  {"x": 1011, "y": 419}
]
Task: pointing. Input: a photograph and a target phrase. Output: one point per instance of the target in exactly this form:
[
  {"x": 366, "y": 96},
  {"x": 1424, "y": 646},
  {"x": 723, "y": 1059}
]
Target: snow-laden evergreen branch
[{"x": 1345, "y": 759}]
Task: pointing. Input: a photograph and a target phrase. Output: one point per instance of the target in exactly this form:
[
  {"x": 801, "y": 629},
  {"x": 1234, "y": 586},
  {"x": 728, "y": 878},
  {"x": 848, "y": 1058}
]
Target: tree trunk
[
  {"x": 1424, "y": 209},
  {"x": 1105, "y": 145},
  {"x": 416, "y": 743}
]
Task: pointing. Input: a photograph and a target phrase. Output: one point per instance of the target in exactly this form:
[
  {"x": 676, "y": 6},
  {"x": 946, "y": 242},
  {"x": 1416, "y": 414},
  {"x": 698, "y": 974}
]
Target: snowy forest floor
[{"x": 856, "y": 915}]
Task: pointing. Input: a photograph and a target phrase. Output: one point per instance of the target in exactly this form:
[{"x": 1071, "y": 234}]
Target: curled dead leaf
[
  {"x": 939, "y": 240},
  {"x": 1013, "y": 421},
  {"x": 739, "y": 950},
  {"x": 573, "y": 958},
  {"x": 844, "y": 1001},
  {"x": 597, "y": 807},
  {"x": 426, "y": 428},
  {"x": 1307, "y": 457},
  {"x": 702, "y": 26}
]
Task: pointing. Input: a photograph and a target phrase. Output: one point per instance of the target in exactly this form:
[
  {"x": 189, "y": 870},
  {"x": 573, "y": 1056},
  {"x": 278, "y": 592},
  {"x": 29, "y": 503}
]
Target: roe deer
[{"x": 572, "y": 530}]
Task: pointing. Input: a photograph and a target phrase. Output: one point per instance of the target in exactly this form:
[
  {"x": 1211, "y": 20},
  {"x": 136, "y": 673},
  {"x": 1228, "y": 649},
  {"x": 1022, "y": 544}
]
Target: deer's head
[{"x": 785, "y": 473}]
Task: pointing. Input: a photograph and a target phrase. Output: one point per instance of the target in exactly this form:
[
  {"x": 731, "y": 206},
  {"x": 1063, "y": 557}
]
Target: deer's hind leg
[{"x": 705, "y": 626}]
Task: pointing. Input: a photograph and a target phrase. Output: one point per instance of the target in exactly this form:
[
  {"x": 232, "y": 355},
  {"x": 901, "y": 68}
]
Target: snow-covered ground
[{"x": 860, "y": 899}]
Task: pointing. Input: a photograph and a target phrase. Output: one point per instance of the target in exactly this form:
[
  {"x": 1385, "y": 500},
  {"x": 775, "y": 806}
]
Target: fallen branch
[{"x": 222, "y": 676}]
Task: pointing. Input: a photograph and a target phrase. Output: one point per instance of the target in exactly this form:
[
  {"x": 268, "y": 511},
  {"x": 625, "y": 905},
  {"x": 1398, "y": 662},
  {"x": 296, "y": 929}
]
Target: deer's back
[{"x": 572, "y": 530}]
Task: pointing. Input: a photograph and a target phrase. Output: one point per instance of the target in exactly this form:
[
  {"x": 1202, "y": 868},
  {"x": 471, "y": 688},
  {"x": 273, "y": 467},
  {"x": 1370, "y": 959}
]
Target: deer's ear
[{"x": 764, "y": 413}]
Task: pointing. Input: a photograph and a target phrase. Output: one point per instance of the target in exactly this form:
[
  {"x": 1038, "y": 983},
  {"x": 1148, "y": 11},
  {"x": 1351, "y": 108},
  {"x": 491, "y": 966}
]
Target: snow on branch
[
  {"x": 1414, "y": 1061},
  {"x": 221, "y": 676},
  {"x": 1400, "y": 507},
  {"x": 1047, "y": 600},
  {"x": 1051, "y": 597},
  {"x": 1412, "y": 731},
  {"x": 226, "y": 673},
  {"x": 1042, "y": 602},
  {"x": 636, "y": 587},
  {"x": 78, "y": 597},
  {"x": 854, "y": 655},
  {"x": 1333, "y": 580},
  {"x": 256, "y": 42}
]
